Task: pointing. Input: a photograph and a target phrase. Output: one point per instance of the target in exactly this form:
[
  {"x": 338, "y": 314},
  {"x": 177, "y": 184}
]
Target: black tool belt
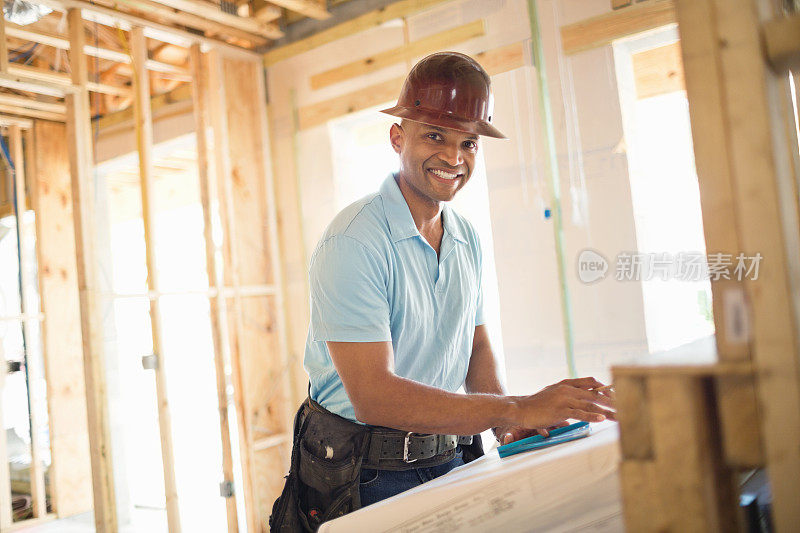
[
  {"x": 390, "y": 449},
  {"x": 327, "y": 457}
]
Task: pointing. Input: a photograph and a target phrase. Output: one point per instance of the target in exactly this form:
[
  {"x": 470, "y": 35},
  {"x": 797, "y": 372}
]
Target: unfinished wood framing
[
  {"x": 218, "y": 305},
  {"x": 495, "y": 61},
  {"x": 366, "y": 21},
  {"x": 399, "y": 54},
  {"x": 6, "y": 517},
  {"x": 70, "y": 469},
  {"x": 782, "y": 41},
  {"x": 738, "y": 108},
  {"x": 37, "y": 467},
  {"x": 658, "y": 71},
  {"x": 144, "y": 142},
  {"x": 79, "y": 141},
  {"x": 604, "y": 29}
]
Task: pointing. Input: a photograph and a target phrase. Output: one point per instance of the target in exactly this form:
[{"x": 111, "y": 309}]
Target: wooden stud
[
  {"x": 26, "y": 283},
  {"x": 261, "y": 372},
  {"x": 636, "y": 434},
  {"x": 494, "y": 61},
  {"x": 79, "y": 141},
  {"x": 32, "y": 113},
  {"x": 641, "y": 505},
  {"x": 154, "y": 30},
  {"x": 144, "y": 142},
  {"x": 70, "y": 469},
  {"x": 21, "y": 101},
  {"x": 364, "y": 22},
  {"x": 287, "y": 364},
  {"x": 6, "y": 517},
  {"x": 314, "y": 9},
  {"x": 729, "y": 88},
  {"x": 221, "y": 20},
  {"x": 695, "y": 489},
  {"x": 782, "y": 42},
  {"x": 604, "y": 29},
  {"x": 56, "y": 41},
  {"x": 658, "y": 71},
  {"x": 181, "y": 94},
  {"x": 739, "y": 419},
  {"x": 3, "y": 46},
  {"x": 218, "y": 306},
  {"x": 399, "y": 54},
  {"x": 26, "y": 83},
  {"x": 219, "y": 124},
  {"x": 53, "y": 78}
]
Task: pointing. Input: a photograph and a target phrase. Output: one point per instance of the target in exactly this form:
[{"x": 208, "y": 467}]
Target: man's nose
[{"x": 452, "y": 155}]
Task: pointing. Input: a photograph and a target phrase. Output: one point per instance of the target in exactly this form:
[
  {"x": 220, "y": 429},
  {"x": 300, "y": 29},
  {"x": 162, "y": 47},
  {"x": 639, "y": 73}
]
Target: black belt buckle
[{"x": 405, "y": 448}]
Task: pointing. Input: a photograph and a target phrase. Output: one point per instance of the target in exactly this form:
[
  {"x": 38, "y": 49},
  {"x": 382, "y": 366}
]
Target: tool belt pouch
[{"x": 323, "y": 480}]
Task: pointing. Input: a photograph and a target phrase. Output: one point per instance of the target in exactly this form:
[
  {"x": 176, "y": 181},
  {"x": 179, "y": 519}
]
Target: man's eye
[
  {"x": 434, "y": 137},
  {"x": 470, "y": 145}
]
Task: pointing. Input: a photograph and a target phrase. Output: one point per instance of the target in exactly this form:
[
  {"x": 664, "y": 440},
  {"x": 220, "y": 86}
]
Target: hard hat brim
[{"x": 445, "y": 120}]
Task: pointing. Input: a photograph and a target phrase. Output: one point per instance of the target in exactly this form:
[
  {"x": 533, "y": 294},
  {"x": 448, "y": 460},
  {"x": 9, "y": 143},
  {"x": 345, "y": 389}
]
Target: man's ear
[{"x": 396, "y": 137}]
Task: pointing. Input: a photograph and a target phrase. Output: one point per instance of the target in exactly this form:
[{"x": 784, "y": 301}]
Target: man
[{"x": 397, "y": 323}]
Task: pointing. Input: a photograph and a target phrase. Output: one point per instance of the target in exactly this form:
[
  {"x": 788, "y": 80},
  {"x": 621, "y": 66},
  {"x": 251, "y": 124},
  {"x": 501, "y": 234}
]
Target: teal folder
[{"x": 574, "y": 431}]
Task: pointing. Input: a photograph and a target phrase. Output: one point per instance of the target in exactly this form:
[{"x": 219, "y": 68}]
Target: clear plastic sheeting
[{"x": 24, "y": 13}]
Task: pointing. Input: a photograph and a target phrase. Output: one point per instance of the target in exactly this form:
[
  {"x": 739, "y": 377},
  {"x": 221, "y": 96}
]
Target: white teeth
[{"x": 444, "y": 175}]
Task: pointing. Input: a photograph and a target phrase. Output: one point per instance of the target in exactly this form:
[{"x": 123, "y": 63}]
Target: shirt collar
[{"x": 401, "y": 223}]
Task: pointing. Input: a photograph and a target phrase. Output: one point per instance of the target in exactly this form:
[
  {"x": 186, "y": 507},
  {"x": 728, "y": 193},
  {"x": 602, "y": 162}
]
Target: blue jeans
[{"x": 377, "y": 485}]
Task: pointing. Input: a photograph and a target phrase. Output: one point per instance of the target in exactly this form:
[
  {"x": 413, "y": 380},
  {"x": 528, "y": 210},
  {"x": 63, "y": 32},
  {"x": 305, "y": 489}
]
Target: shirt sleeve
[{"x": 349, "y": 301}]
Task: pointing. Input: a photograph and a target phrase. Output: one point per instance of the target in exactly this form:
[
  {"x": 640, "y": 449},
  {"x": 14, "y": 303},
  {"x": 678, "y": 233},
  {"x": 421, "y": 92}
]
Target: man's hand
[
  {"x": 509, "y": 434},
  {"x": 553, "y": 405}
]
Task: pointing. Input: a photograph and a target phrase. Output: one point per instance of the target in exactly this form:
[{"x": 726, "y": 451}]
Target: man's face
[{"x": 434, "y": 162}]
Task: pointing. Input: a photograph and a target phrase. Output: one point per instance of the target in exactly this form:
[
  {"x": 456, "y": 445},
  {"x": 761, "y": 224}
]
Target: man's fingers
[
  {"x": 583, "y": 383},
  {"x": 586, "y": 416},
  {"x": 508, "y": 438},
  {"x": 595, "y": 397}
]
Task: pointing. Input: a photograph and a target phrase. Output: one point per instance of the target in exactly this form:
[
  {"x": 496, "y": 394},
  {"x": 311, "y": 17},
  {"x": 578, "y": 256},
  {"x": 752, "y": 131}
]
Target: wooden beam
[
  {"x": 658, "y": 71},
  {"x": 224, "y": 172},
  {"x": 53, "y": 78},
  {"x": 6, "y": 516},
  {"x": 494, "y": 61},
  {"x": 154, "y": 30},
  {"x": 56, "y": 41},
  {"x": 604, "y": 29},
  {"x": 261, "y": 373},
  {"x": 218, "y": 306},
  {"x": 79, "y": 140},
  {"x": 399, "y": 54},
  {"x": 70, "y": 469},
  {"x": 221, "y": 19},
  {"x": 366, "y": 21},
  {"x": 21, "y": 101},
  {"x": 3, "y": 46},
  {"x": 694, "y": 486},
  {"x": 144, "y": 143},
  {"x": 24, "y": 123},
  {"x": 181, "y": 94},
  {"x": 26, "y": 83},
  {"x": 782, "y": 41},
  {"x": 732, "y": 94},
  {"x": 26, "y": 284},
  {"x": 309, "y": 8}
]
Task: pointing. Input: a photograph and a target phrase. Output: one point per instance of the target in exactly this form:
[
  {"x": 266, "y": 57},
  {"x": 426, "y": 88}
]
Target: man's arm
[{"x": 381, "y": 398}]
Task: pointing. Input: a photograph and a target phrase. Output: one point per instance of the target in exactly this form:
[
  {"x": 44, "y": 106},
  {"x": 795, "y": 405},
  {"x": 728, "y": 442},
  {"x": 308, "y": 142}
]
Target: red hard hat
[{"x": 449, "y": 90}]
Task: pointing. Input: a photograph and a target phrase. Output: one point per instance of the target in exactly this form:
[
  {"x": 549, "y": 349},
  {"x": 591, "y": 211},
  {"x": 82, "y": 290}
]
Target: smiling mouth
[{"x": 444, "y": 174}]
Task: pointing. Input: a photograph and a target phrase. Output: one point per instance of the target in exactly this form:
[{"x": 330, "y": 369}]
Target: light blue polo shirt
[{"x": 374, "y": 278}]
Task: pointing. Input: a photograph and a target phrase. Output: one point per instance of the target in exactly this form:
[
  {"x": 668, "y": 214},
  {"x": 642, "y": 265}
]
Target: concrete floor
[{"x": 142, "y": 521}]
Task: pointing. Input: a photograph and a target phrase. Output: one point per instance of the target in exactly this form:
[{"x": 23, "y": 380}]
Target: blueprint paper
[{"x": 570, "y": 487}]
